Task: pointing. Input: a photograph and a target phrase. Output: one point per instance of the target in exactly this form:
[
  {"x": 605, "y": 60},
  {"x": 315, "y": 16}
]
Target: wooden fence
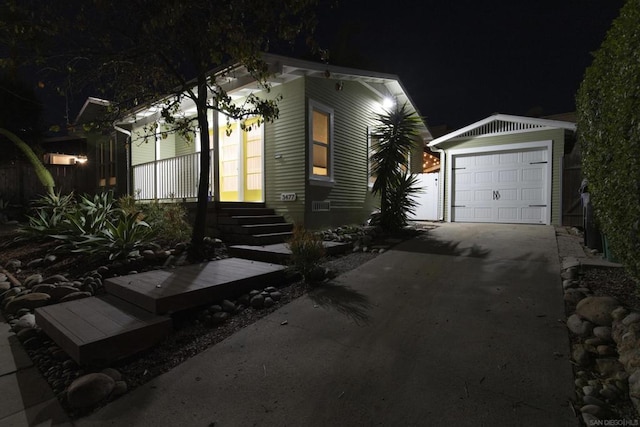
[
  {"x": 571, "y": 180},
  {"x": 19, "y": 183}
]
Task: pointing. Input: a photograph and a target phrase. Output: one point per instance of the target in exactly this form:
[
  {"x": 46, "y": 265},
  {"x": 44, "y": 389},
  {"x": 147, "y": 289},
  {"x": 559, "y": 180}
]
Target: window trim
[{"x": 328, "y": 179}]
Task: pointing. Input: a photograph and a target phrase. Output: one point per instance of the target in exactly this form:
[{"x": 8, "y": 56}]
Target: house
[
  {"x": 504, "y": 169},
  {"x": 105, "y": 160},
  {"x": 311, "y": 165}
]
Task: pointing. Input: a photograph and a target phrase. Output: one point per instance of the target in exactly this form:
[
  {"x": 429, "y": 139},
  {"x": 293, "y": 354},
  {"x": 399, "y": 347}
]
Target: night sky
[{"x": 462, "y": 61}]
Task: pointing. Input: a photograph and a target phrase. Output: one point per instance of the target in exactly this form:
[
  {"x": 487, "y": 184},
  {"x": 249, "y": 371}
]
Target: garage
[
  {"x": 503, "y": 169},
  {"x": 501, "y": 186}
]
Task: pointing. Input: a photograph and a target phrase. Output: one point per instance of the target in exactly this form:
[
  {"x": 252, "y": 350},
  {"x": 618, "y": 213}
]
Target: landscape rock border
[
  {"x": 81, "y": 389},
  {"x": 605, "y": 352}
]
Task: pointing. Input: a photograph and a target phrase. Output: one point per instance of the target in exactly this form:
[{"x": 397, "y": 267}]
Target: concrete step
[
  {"x": 251, "y": 219},
  {"x": 271, "y": 238},
  {"x": 260, "y": 229},
  {"x": 99, "y": 330},
  {"x": 252, "y": 211},
  {"x": 280, "y": 252}
]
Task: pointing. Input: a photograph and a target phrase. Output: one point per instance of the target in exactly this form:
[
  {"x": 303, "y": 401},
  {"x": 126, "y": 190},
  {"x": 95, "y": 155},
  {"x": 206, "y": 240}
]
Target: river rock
[
  {"x": 89, "y": 390},
  {"x": 579, "y": 326},
  {"x": 228, "y": 306},
  {"x": 580, "y": 355},
  {"x": 32, "y": 280},
  {"x": 257, "y": 301},
  {"x": 62, "y": 291},
  {"x": 5, "y": 286},
  {"x": 631, "y": 318},
  {"x": 595, "y": 410},
  {"x": 113, "y": 373},
  {"x": 573, "y": 296},
  {"x": 597, "y": 309},
  {"x": 56, "y": 278},
  {"x": 45, "y": 288},
  {"x": 27, "y": 321},
  {"x": 608, "y": 366},
  {"x": 75, "y": 295},
  {"x": 31, "y": 301},
  {"x": 602, "y": 332}
]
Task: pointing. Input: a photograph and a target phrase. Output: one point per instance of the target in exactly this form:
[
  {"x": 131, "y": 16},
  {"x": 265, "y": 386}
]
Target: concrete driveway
[{"x": 457, "y": 327}]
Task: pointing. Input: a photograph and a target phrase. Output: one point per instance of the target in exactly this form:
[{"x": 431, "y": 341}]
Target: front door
[{"x": 241, "y": 164}]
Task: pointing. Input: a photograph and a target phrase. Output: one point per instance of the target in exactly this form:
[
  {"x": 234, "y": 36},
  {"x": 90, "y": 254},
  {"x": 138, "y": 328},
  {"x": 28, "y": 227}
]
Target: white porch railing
[{"x": 173, "y": 178}]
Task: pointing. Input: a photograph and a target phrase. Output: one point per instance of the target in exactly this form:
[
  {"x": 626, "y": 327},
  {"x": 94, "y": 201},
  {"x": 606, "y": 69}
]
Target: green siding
[
  {"x": 143, "y": 150},
  {"x": 350, "y": 197},
  {"x": 554, "y": 135},
  {"x": 285, "y": 138}
]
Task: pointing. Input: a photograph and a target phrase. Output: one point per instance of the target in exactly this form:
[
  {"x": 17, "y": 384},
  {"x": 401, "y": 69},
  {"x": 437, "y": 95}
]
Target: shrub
[
  {"x": 307, "y": 251},
  {"x": 168, "y": 220},
  {"x": 608, "y": 108}
]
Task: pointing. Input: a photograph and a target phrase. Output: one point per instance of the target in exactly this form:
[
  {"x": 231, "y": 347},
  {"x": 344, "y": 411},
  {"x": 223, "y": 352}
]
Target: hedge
[{"x": 608, "y": 110}]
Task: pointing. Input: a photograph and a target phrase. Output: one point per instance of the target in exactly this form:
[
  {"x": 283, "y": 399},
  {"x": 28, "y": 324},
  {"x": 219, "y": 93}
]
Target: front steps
[{"x": 252, "y": 224}]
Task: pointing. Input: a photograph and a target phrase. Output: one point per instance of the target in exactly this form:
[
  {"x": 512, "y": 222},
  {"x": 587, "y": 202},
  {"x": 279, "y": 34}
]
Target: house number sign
[{"x": 288, "y": 197}]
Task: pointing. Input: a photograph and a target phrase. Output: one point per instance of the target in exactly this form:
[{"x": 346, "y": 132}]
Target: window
[
  {"x": 107, "y": 163},
  {"x": 321, "y": 142}
]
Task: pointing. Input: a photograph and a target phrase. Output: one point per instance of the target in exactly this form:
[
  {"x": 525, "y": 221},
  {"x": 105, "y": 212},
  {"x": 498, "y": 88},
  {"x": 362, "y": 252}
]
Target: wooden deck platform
[
  {"x": 167, "y": 291},
  {"x": 280, "y": 252},
  {"x": 99, "y": 330}
]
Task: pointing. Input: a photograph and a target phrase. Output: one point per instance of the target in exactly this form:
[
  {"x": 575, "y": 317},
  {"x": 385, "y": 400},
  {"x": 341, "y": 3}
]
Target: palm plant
[{"x": 396, "y": 134}]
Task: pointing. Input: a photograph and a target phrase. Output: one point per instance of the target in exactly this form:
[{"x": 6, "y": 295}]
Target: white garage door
[{"x": 504, "y": 186}]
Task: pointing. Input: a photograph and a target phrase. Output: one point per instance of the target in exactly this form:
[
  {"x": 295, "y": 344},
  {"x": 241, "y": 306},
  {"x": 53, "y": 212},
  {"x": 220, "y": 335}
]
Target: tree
[
  {"x": 396, "y": 135},
  {"x": 608, "y": 120},
  {"x": 157, "y": 53}
]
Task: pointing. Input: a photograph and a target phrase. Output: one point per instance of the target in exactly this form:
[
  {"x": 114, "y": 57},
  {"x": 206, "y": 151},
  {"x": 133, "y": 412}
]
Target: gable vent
[
  {"x": 499, "y": 126},
  {"x": 321, "y": 206}
]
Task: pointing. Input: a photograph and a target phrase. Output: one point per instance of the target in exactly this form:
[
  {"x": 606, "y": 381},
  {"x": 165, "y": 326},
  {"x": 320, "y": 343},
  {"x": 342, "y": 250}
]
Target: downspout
[
  {"x": 443, "y": 171},
  {"x": 128, "y": 154}
]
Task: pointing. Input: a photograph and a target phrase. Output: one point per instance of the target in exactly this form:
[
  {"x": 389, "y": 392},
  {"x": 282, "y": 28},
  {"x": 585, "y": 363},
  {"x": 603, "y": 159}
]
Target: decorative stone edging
[{"x": 605, "y": 350}]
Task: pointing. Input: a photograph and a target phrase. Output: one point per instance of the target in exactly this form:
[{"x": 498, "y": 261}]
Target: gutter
[
  {"x": 128, "y": 154},
  {"x": 443, "y": 171}
]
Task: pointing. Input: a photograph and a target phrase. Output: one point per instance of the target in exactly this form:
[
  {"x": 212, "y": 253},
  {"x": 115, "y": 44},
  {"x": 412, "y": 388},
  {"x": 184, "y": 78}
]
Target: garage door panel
[
  {"x": 508, "y": 158},
  {"x": 508, "y": 194},
  {"x": 484, "y": 160},
  {"x": 505, "y": 186},
  {"x": 533, "y": 214},
  {"x": 482, "y": 195},
  {"x": 463, "y": 178},
  {"x": 509, "y": 175},
  {"x": 483, "y": 177},
  {"x": 532, "y": 174},
  {"x": 534, "y": 156},
  {"x": 533, "y": 195},
  {"x": 508, "y": 214},
  {"x": 483, "y": 214},
  {"x": 463, "y": 196}
]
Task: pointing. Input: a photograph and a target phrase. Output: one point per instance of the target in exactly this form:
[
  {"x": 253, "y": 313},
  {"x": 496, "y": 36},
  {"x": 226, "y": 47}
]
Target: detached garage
[{"x": 503, "y": 169}]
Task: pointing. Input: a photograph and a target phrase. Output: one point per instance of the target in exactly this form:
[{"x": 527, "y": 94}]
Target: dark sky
[{"x": 462, "y": 61}]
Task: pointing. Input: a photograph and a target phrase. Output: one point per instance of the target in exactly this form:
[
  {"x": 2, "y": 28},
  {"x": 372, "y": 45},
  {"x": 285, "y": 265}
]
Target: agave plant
[
  {"x": 120, "y": 237},
  {"x": 49, "y": 216}
]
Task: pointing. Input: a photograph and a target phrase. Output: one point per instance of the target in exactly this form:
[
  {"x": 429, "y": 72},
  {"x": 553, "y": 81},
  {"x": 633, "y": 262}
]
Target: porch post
[{"x": 215, "y": 161}]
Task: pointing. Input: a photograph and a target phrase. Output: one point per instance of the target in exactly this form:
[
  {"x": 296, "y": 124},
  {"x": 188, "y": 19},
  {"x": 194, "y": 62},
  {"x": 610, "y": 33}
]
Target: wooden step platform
[
  {"x": 280, "y": 252},
  {"x": 99, "y": 330},
  {"x": 167, "y": 291}
]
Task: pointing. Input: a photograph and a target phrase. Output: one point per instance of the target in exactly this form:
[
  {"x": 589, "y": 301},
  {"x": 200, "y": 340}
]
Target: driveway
[{"x": 457, "y": 327}]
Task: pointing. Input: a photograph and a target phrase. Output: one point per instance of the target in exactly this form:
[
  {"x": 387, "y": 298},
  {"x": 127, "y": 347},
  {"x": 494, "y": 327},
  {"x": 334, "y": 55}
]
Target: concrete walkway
[
  {"x": 458, "y": 327},
  {"x": 25, "y": 396}
]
